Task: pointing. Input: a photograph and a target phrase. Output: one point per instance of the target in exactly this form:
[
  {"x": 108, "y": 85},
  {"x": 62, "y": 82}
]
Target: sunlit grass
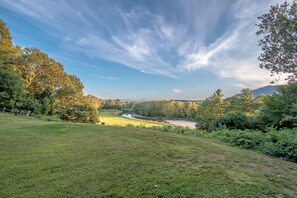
[
  {"x": 111, "y": 118},
  {"x": 60, "y": 159}
]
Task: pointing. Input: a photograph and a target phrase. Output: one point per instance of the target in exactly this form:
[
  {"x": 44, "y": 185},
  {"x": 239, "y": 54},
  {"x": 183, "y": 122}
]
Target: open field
[
  {"x": 111, "y": 118},
  {"x": 51, "y": 159}
]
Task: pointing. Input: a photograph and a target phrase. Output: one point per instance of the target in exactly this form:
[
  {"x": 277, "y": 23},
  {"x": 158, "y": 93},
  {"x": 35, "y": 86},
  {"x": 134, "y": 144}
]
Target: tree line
[
  {"x": 31, "y": 80},
  {"x": 278, "y": 110},
  {"x": 242, "y": 111},
  {"x": 117, "y": 104},
  {"x": 167, "y": 109}
]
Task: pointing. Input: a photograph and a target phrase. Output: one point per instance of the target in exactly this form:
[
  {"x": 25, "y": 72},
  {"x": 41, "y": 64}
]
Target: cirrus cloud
[{"x": 215, "y": 35}]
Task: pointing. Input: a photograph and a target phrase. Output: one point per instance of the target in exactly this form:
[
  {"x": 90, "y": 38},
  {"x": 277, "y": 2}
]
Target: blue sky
[{"x": 146, "y": 49}]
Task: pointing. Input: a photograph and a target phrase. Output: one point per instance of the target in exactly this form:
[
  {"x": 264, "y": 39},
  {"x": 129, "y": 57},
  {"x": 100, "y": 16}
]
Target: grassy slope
[
  {"x": 112, "y": 119},
  {"x": 44, "y": 159}
]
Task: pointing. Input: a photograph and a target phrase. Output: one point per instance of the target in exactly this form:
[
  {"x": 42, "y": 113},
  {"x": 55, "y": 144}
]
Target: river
[{"x": 183, "y": 123}]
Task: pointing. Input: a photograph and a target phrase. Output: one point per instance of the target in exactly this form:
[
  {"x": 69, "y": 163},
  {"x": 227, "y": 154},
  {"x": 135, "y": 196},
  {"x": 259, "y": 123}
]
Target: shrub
[
  {"x": 80, "y": 113},
  {"x": 277, "y": 143},
  {"x": 281, "y": 144},
  {"x": 234, "y": 120}
]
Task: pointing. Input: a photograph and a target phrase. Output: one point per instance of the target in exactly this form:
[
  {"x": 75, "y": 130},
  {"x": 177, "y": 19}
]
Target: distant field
[
  {"x": 51, "y": 159},
  {"x": 111, "y": 118}
]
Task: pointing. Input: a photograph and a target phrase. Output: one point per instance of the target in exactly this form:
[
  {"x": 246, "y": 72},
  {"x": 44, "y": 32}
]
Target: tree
[
  {"x": 11, "y": 90},
  {"x": 8, "y": 52},
  {"x": 279, "y": 42},
  {"x": 210, "y": 110},
  {"x": 37, "y": 69},
  {"x": 280, "y": 109},
  {"x": 243, "y": 102},
  {"x": 6, "y": 45},
  {"x": 93, "y": 101},
  {"x": 47, "y": 100}
]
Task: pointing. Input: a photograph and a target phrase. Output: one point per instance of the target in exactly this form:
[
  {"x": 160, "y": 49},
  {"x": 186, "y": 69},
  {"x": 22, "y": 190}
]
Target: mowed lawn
[
  {"x": 48, "y": 159},
  {"x": 111, "y": 118}
]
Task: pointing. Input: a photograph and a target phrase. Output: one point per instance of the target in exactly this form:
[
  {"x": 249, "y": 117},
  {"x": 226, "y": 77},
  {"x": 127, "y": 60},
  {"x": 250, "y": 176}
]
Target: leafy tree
[
  {"x": 279, "y": 30},
  {"x": 37, "y": 70},
  {"x": 80, "y": 113},
  {"x": 48, "y": 101},
  {"x": 6, "y": 46},
  {"x": 11, "y": 90},
  {"x": 244, "y": 102},
  {"x": 31, "y": 80},
  {"x": 8, "y": 52},
  {"x": 93, "y": 101},
  {"x": 280, "y": 109},
  {"x": 210, "y": 110}
]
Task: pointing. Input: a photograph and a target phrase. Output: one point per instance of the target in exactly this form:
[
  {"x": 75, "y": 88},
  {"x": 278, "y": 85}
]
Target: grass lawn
[
  {"x": 111, "y": 118},
  {"x": 49, "y": 159}
]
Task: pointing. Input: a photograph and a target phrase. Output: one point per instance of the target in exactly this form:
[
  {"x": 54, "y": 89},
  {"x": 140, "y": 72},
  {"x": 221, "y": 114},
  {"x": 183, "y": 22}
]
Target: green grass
[
  {"x": 111, "y": 118},
  {"x": 55, "y": 159}
]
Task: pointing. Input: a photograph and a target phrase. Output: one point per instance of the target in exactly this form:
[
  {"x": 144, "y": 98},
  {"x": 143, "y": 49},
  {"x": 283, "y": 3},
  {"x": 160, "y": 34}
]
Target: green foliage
[
  {"x": 5, "y": 39},
  {"x": 209, "y": 111},
  {"x": 166, "y": 109},
  {"x": 280, "y": 109},
  {"x": 277, "y": 143},
  {"x": 11, "y": 90},
  {"x": 30, "y": 103},
  {"x": 281, "y": 144},
  {"x": 279, "y": 36},
  {"x": 47, "y": 98},
  {"x": 234, "y": 120},
  {"x": 116, "y": 104},
  {"x": 244, "y": 102},
  {"x": 80, "y": 113},
  {"x": 31, "y": 80}
]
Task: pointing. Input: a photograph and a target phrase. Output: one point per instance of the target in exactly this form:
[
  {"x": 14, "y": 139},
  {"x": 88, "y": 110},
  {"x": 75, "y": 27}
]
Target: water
[
  {"x": 182, "y": 123},
  {"x": 127, "y": 115}
]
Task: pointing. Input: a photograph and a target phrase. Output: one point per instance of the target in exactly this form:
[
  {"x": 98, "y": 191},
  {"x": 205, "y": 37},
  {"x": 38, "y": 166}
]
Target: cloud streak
[
  {"x": 177, "y": 91},
  {"x": 215, "y": 35},
  {"x": 104, "y": 77}
]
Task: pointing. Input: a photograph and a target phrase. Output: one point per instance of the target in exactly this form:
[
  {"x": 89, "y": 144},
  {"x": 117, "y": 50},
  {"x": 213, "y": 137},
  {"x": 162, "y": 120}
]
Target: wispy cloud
[
  {"x": 104, "y": 77},
  {"x": 238, "y": 85},
  {"x": 177, "y": 91},
  {"x": 214, "y": 35}
]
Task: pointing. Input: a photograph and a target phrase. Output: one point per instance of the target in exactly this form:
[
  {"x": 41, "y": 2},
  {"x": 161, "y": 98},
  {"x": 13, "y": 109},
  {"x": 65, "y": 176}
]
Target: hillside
[
  {"x": 267, "y": 90},
  {"x": 48, "y": 159}
]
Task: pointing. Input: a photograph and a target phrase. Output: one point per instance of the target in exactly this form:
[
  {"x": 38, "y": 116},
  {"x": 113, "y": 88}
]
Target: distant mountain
[
  {"x": 267, "y": 90},
  {"x": 134, "y": 100},
  {"x": 188, "y": 100}
]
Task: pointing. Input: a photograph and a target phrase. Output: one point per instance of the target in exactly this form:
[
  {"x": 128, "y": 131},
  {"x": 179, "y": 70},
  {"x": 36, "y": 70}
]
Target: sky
[{"x": 147, "y": 49}]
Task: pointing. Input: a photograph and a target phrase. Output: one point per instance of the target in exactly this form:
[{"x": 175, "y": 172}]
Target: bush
[
  {"x": 277, "y": 143},
  {"x": 281, "y": 144},
  {"x": 80, "y": 113},
  {"x": 234, "y": 120}
]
